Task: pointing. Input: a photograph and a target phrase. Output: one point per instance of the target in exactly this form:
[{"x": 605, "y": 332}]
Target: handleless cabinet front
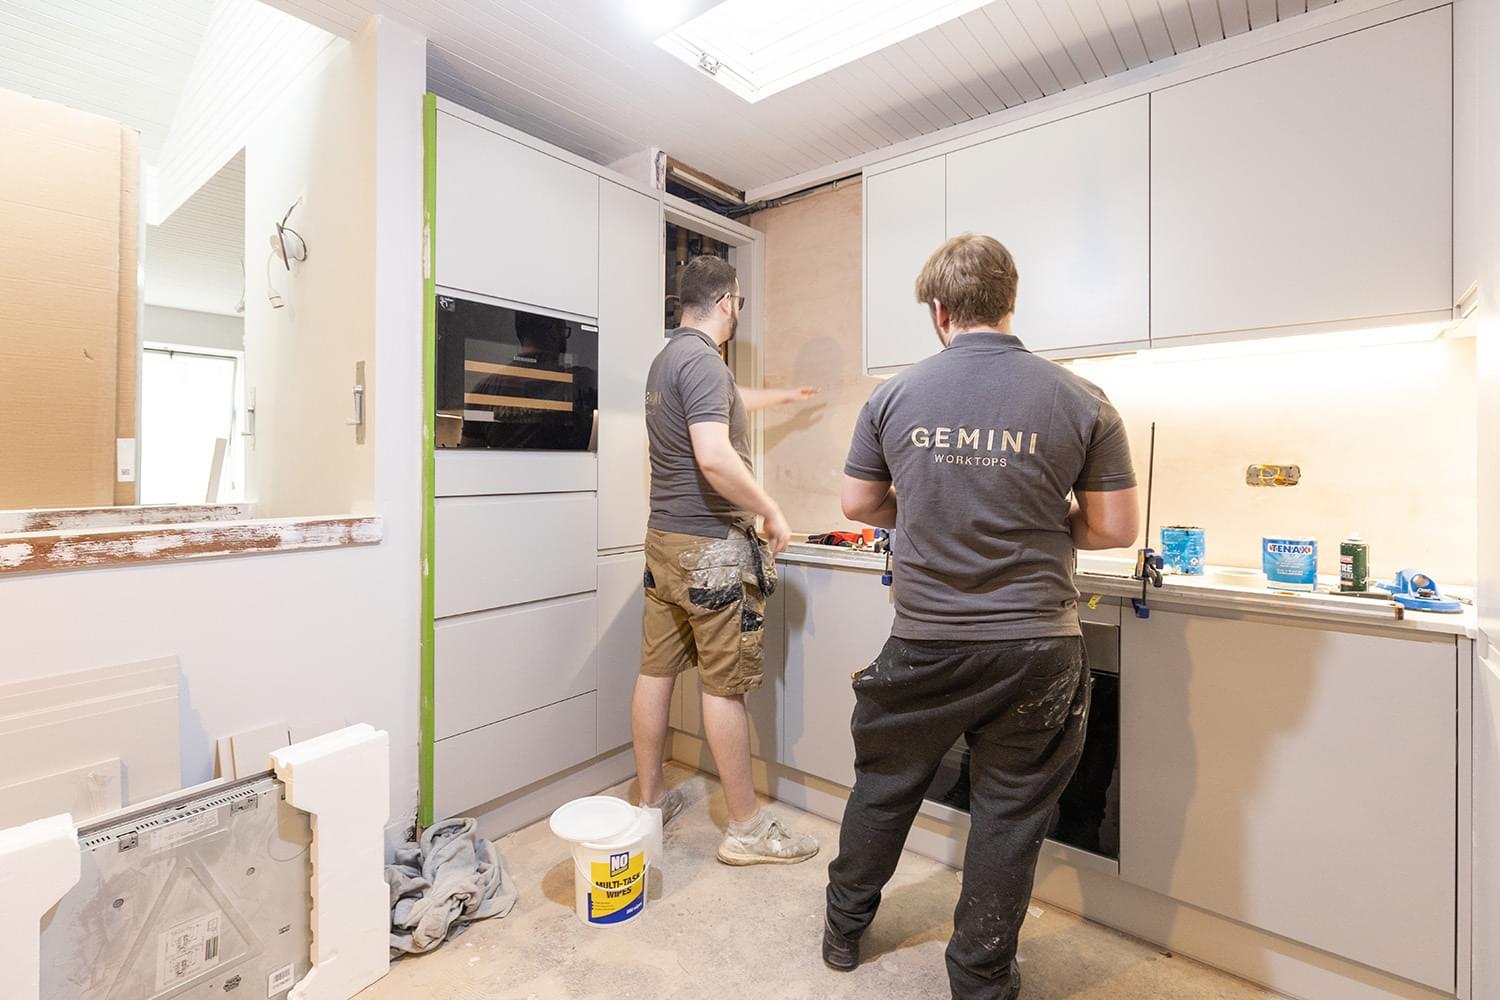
[
  {"x": 837, "y": 620},
  {"x": 513, "y": 222},
  {"x": 903, "y": 217},
  {"x": 1071, "y": 202},
  {"x": 1295, "y": 779},
  {"x": 630, "y": 334},
  {"x": 495, "y": 552},
  {"x": 1312, "y": 187}
]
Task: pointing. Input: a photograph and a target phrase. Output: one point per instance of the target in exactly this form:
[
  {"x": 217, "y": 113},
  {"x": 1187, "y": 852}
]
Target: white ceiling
[
  {"x": 124, "y": 59},
  {"x": 193, "y": 258},
  {"x": 587, "y": 76}
]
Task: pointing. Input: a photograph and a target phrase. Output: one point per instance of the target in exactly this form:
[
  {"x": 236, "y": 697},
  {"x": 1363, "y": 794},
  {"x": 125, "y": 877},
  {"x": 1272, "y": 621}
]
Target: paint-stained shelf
[{"x": 85, "y": 548}]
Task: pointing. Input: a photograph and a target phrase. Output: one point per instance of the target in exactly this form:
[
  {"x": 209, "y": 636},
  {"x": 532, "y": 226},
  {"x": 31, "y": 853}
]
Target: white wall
[
  {"x": 250, "y": 56},
  {"x": 190, "y": 328},
  {"x": 301, "y": 636},
  {"x": 317, "y": 144},
  {"x": 1384, "y": 435}
]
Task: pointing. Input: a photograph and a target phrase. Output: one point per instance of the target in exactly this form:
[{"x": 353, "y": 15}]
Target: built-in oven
[
  {"x": 509, "y": 378},
  {"x": 1088, "y": 814}
]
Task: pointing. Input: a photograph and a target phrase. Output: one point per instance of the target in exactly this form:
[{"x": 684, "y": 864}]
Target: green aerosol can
[{"x": 1354, "y": 564}]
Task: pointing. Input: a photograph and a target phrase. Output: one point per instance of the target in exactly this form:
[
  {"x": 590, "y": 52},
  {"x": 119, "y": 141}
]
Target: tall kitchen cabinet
[
  {"x": 1071, "y": 202},
  {"x": 1313, "y": 187},
  {"x": 1296, "y": 779},
  {"x": 630, "y": 333},
  {"x": 535, "y": 556}
]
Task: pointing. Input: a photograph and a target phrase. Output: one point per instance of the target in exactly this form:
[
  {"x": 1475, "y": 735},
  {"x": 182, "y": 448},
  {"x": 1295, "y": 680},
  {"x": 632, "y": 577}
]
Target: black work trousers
[{"x": 1023, "y": 706}]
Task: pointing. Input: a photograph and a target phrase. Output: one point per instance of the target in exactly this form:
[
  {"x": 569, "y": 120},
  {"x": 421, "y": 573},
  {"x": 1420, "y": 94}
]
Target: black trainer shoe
[{"x": 839, "y": 952}]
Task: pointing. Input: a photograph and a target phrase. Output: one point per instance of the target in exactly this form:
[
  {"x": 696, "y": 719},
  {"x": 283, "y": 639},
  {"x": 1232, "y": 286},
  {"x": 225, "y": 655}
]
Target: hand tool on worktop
[
  {"x": 1148, "y": 562},
  {"x": 1419, "y": 592}
]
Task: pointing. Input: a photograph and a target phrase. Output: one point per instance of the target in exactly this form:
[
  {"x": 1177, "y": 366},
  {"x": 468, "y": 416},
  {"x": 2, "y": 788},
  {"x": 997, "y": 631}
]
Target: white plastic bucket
[{"x": 614, "y": 845}]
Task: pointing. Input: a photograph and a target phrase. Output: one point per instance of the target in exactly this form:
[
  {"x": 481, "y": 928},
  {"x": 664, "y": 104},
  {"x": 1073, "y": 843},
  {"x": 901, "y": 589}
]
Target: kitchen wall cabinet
[
  {"x": 495, "y": 552},
  {"x": 630, "y": 334},
  {"x": 1311, "y": 187},
  {"x": 904, "y": 223},
  {"x": 621, "y": 602},
  {"x": 514, "y": 222},
  {"x": 836, "y": 622},
  {"x": 1071, "y": 201},
  {"x": 1298, "y": 780}
]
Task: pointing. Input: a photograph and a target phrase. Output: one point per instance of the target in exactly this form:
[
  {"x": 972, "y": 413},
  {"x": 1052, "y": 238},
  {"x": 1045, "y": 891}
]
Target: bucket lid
[{"x": 593, "y": 819}]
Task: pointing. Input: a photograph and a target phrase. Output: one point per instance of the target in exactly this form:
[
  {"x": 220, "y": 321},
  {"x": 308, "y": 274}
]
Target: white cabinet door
[
  {"x": 1297, "y": 780},
  {"x": 630, "y": 333},
  {"x": 621, "y": 603},
  {"x": 1071, "y": 201},
  {"x": 513, "y": 222},
  {"x": 903, "y": 225},
  {"x": 1311, "y": 187},
  {"x": 836, "y": 622},
  {"x": 764, "y": 705}
]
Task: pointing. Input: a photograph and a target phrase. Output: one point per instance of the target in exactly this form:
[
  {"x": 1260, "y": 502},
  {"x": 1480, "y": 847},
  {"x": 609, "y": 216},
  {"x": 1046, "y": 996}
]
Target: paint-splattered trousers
[
  {"x": 706, "y": 607},
  {"x": 1023, "y": 706}
]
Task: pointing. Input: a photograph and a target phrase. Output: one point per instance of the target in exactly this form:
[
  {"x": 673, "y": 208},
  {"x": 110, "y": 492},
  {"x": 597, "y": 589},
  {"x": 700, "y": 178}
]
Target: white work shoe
[
  {"x": 768, "y": 843},
  {"x": 670, "y": 804}
]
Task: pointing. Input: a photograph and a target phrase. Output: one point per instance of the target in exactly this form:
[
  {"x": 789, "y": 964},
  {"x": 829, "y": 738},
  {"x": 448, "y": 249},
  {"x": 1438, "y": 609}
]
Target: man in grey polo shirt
[
  {"x": 707, "y": 573},
  {"x": 993, "y": 466}
]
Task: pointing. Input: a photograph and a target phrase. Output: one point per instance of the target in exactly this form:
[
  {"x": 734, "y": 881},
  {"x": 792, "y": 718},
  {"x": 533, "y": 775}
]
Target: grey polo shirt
[
  {"x": 984, "y": 443},
  {"x": 689, "y": 384}
]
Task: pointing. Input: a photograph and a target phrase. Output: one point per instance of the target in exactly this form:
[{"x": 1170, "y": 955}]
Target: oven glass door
[
  {"x": 1088, "y": 814},
  {"x": 508, "y": 379}
]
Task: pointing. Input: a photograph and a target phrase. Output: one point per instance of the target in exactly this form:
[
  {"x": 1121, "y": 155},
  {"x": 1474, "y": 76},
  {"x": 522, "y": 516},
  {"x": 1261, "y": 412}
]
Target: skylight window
[{"x": 757, "y": 48}]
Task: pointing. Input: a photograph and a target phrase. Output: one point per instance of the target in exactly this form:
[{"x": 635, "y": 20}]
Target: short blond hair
[{"x": 974, "y": 277}]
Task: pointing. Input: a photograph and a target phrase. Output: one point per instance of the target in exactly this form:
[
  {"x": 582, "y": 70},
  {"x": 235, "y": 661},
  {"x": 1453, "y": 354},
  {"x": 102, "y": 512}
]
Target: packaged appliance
[
  {"x": 203, "y": 895},
  {"x": 507, "y": 378}
]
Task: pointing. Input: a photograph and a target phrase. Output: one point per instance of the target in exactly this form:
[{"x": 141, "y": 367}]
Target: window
[{"x": 190, "y": 441}]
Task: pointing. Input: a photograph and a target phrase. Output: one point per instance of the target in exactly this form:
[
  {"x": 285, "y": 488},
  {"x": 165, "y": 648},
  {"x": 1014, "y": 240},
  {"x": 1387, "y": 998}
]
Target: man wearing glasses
[{"x": 707, "y": 573}]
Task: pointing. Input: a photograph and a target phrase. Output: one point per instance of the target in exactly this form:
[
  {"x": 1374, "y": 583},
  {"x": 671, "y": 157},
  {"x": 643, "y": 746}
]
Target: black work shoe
[
  {"x": 839, "y": 952},
  {"x": 1015, "y": 982}
]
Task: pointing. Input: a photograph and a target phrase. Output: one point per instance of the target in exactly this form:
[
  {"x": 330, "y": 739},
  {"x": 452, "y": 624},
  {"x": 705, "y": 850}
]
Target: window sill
[{"x": 86, "y": 548}]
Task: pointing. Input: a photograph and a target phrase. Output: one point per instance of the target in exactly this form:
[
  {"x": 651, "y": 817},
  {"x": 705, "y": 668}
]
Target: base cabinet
[
  {"x": 836, "y": 620},
  {"x": 1298, "y": 780}
]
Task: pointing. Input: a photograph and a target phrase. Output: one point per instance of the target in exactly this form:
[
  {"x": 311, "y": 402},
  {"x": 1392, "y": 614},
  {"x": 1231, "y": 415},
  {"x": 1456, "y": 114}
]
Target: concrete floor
[{"x": 753, "y": 933}]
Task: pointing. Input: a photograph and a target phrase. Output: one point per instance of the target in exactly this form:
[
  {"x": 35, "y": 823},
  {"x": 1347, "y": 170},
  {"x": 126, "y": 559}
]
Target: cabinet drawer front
[
  {"x": 478, "y": 472},
  {"x": 485, "y": 764},
  {"x": 495, "y": 552},
  {"x": 500, "y": 664}
]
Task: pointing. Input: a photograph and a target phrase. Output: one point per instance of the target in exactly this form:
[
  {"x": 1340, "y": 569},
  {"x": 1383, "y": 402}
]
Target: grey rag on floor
[{"x": 452, "y": 878}]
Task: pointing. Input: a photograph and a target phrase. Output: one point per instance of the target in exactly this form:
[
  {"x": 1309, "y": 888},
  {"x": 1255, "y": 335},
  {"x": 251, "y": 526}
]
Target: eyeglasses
[{"x": 739, "y": 300}]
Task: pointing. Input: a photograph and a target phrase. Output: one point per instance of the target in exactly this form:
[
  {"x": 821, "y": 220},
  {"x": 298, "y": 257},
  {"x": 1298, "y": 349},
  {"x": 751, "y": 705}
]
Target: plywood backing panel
[
  {"x": 60, "y": 206},
  {"x": 812, "y": 331}
]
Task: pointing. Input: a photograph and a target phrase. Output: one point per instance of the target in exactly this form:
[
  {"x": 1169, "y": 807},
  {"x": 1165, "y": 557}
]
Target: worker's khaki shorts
[{"x": 706, "y": 605}]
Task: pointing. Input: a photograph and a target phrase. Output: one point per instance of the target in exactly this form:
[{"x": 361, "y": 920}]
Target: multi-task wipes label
[{"x": 618, "y": 891}]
